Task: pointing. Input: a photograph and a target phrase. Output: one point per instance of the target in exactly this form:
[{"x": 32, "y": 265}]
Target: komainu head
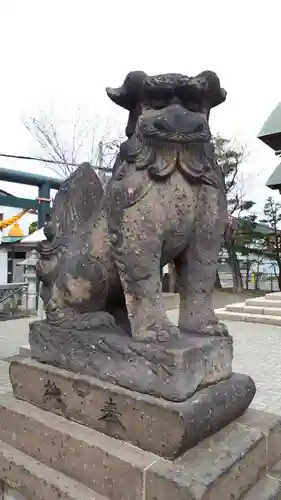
[
  {"x": 169, "y": 108},
  {"x": 168, "y": 125}
]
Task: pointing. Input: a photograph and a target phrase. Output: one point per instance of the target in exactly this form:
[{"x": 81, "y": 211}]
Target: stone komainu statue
[
  {"x": 100, "y": 265},
  {"x": 108, "y": 356}
]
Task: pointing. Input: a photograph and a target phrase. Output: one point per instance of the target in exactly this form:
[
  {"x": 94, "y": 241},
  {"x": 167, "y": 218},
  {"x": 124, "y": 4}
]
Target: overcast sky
[{"x": 63, "y": 53}]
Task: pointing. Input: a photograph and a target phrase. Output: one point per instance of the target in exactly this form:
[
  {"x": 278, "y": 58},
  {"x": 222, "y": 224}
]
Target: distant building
[
  {"x": 270, "y": 135},
  {"x": 12, "y": 251}
]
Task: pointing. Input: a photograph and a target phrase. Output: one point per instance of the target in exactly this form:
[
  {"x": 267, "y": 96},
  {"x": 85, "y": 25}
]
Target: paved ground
[
  {"x": 13, "y": 334},
  {"x": 257, "y": 352},
  {"x": 222, "y": 298}
]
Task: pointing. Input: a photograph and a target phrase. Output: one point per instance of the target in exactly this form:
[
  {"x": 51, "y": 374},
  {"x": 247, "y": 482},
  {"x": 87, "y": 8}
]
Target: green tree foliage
[
  {"x": 272, "y": 218},
  {"x": 32, "y": 227}
]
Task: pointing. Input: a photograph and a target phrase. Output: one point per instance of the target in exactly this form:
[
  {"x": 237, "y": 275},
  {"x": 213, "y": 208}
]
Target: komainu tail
[{"x": 78, "y": 197}]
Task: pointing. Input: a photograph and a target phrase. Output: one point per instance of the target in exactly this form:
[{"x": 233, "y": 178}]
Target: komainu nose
[{"x": 181, "y": 121}]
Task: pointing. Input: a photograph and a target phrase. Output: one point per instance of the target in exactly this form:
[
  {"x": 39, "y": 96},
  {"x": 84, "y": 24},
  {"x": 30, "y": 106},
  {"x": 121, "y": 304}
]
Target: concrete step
[
  {"x": 42, "y": 455},
  {"x": 263, "y": 302},
  {"x": 237, "y": 452},
  {"x": 273, "y": 296},
  {"x": 109, "y": 466},
  {"x": 35, "y": 480},
  {"x": 268, "y": 488},
  {"x": 223, "y": 314},
  {"x": 242, "y": 307}
]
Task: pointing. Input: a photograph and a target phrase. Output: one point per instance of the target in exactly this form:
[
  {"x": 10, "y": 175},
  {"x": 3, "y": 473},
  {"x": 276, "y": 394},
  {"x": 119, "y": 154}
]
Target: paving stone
[{"x": 13, "y": 334}]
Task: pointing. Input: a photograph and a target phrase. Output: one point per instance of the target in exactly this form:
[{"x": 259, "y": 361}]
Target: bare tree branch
[
  {"x": 78, "y": 141},
  {"x": 229, "y": 158}
]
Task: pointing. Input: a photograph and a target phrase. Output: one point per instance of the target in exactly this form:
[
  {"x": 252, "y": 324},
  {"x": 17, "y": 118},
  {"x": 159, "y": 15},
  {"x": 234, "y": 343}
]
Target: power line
[{"x": 22, "y": 157}]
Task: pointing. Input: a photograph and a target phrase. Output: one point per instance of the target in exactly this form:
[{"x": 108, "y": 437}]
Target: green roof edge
[{"x": 273, "y": 123}]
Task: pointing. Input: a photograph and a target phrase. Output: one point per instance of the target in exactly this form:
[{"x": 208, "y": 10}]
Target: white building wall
[
  {"x": 24, "y": 223},
  {"x": 3, "y": 266}
]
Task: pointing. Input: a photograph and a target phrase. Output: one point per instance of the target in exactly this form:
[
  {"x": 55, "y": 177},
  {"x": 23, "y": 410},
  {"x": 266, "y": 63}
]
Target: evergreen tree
[
  {"x": 272, "y": 218},
  {"x": 32, "y": 227}
]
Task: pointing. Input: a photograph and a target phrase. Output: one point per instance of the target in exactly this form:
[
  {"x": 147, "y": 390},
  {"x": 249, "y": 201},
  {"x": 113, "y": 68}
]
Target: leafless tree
[
  {"x": 230, "y": 157},
  {"x": 70, "y": 143}
]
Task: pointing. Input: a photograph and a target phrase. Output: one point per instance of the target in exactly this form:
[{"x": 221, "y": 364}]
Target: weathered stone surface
[
  {"x": 230, "y": 465},
  {"x": 112, "y": 468},
  {"x": 226, "y": 466},
  {"x": 266, "y": 489},
  {"x": 171, "y": 370},
  {"x": 223, "y": 467},
  {"x": 37, "y": 481},
  {"x": 165, "y": 202},
  {"x": 153, "y": 424},
  {"x": 276, "y": 471},
  {"x": 270, "y": 426}
]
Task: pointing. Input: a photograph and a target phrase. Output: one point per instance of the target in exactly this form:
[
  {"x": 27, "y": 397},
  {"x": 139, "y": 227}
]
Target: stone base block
[
  {"x": 35, "y": 480},
  {"x": 268, "y": 488},
  {"x": 231, "y": 465},
  {"x": 173, "y": 370},
  {"x": 111, "y": 467},
  {"x": 47, "y": 457},
  {"x": 153, "y": 424}
]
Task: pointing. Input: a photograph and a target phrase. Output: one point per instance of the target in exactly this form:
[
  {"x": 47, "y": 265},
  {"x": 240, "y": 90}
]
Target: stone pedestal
[
  {"x": 171, "y": 370},
  {"x": 45, "y": 456},
  {"x": 153, "y": 424}
]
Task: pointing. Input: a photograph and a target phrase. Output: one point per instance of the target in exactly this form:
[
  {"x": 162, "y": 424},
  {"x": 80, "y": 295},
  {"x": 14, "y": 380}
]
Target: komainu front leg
[
  {"x": 196, "y": 267},
  {"x": 137, "y": 255}
]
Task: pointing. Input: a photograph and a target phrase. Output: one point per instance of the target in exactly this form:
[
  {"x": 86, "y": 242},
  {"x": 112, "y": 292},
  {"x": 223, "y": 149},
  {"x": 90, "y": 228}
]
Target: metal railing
[
  {"x": 266, "y": 282},
  {"x": 13, "y": 301}
]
